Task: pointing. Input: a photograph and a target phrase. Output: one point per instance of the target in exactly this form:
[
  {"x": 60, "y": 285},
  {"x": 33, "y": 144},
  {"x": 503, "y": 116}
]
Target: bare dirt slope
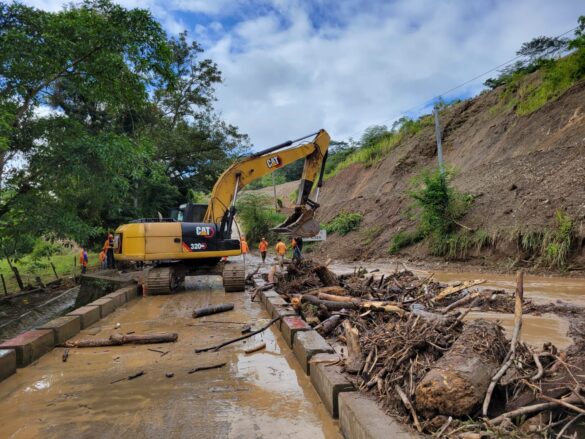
[{"x": 520, "y": 169}]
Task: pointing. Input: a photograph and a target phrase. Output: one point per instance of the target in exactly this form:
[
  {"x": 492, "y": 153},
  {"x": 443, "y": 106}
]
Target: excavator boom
[{"x": 221, "y": 209}]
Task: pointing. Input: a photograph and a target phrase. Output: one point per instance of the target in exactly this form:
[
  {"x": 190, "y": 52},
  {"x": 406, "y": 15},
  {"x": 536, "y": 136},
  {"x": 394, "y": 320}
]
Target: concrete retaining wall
[{"x": 29, "y": 346}]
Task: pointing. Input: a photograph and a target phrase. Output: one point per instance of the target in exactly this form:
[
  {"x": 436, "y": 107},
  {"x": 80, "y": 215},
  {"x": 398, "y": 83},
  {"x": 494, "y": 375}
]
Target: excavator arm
[{"x": 221, "y": 209}]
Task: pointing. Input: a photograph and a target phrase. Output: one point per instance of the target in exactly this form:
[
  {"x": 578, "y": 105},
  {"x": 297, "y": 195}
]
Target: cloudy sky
[{"x": 291, "y": 67}]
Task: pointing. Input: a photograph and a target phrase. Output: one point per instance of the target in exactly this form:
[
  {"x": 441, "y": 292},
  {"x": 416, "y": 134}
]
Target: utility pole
[{"x": 439, "y": 144}]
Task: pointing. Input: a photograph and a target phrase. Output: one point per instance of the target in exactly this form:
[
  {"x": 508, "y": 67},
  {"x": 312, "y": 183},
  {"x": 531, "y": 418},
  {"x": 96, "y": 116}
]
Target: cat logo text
[{"x": 274, "y": 162}]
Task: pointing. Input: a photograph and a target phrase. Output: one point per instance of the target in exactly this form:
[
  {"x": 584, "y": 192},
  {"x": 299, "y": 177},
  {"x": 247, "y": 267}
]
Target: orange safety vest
[
  {"x": 263, "y": 246},
  {"x": 83, "y": 258},
  {"x": 244, "y": 246},
  {"x": 280, "y": 248}
]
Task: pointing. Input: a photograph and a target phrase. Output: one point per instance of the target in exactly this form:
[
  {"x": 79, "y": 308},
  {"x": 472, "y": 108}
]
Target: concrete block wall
[{"x": 29, "y": 346}]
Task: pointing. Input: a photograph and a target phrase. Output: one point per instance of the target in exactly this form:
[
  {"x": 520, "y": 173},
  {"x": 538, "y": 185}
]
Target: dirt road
[{"x": 262, "y": 395}]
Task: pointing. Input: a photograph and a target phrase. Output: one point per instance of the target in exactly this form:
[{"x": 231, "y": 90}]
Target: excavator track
[
  {"x": 234, "y": 278},
  {"x": 161, "y": 280}
]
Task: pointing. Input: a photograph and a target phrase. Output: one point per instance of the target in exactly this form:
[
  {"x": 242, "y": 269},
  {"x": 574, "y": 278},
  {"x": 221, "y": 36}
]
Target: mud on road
[{"x": 259, "y": 395}]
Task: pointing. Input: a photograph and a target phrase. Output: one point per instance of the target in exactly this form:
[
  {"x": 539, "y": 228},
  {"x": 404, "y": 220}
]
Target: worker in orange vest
[
  {"x": 83, "y": 260},
  {"x": 263, "y": 247},
  {"x": 280, "y": 251},
  {"x": 109, "y": 249},
  {"x": 296, "y": 251},
  {"x": 244, "y": 247},
  {"x": 102, "y": 257}
]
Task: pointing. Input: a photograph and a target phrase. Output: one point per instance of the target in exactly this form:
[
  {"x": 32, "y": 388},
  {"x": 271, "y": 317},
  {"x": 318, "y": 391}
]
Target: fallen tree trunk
[
  {"x": 328, "y": 325},
  {"x": 330, "y": 305},
  {"x": 334, "y": 298},
  {"x": 326, "y": 276},
  {"x": 452, "y": 290},
  {"x": 457, "y": 383},
  {"x": 338, "y": 291},
  {"x": 120, "y": 339},
  {"x": 215, "y": 309}
]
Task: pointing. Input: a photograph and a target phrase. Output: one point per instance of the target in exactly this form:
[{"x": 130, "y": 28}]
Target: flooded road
[
  {"x": 536, "y": 329},
  {"x": 261, "y": 395}
]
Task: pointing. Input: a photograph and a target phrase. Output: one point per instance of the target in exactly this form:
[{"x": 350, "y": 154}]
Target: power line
[{"x": 421, "y": 107}]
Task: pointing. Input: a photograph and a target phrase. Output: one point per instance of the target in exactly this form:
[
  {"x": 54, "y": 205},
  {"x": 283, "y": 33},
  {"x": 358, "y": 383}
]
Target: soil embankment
[{"x": 520, "y": 170}]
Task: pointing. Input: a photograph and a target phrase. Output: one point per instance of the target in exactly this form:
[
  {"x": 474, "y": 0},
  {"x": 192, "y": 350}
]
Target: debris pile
[{"x": 404, "y": 339}]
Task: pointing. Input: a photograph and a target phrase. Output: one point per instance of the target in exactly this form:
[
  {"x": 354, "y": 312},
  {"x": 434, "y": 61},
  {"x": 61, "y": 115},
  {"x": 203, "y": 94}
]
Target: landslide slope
[{"x": 521, "y": 170}]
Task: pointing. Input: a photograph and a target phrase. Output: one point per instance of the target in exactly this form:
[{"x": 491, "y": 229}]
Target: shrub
[
  {"x": 557, "y": 247},
  {"x": 344, "y": 222},
  {"x": 404, "y": 239},
  {"x": 258, "y": 217},
  {"x": 439, "y": 206}
]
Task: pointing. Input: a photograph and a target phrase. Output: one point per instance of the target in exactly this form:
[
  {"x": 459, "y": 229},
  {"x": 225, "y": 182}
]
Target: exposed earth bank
[{"x": 520, "y": 169}]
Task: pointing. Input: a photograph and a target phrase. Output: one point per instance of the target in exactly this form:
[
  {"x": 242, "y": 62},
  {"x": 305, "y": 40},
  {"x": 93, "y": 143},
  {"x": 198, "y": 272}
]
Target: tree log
[
  {"x": 120, "y": 339},
  {"x": 452, "y": 290},
  {"x": 330, "y": 305},
  {"x": 334, "y": 298},
  {"x": 354, "y": 360},
  {"x": 215, "y": 309},
  {"x": 457, "y": 383},
  {"x": 326, "y": 276},
  {"x": 328, "y": 325},
  {"x": 338, "y": 291}
]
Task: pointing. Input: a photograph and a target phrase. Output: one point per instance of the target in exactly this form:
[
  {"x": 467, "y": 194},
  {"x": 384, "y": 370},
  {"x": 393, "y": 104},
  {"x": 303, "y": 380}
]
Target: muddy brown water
[
  {"x": 540, "y": 289},
  {"x": 261, "y": 395}
]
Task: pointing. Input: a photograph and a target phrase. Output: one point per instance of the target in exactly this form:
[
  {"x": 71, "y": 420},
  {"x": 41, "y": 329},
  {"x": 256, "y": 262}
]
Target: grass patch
[
  {"x": 30, "y": 266},
  {"x": 404, "y": 239},
  {"x": 371, "y": 233},
  {"x": 555, "y": 77},
  {"x": 344, "y": 222}
]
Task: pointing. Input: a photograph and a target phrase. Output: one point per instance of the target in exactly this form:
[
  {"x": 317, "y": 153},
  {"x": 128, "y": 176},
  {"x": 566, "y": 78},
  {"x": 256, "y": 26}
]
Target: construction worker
[
  {"x": 83, "y": 260},
  {"x": 263, "y": 247},
  {"x": 102, "y": 257},
  {"x": 280, "y": 251},
  {"x": 109, "y": 249},
  {"x": 296, "y": 251},
  {"x": 244, "y": 247}
]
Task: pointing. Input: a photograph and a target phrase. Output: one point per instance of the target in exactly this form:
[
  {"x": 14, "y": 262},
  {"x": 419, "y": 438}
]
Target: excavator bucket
[{"x": 300, "y": 223}]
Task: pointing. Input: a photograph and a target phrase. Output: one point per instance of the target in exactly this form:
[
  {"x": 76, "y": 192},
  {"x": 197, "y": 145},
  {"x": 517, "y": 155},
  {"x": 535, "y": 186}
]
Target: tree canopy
[{"x": 103, "y": 118}]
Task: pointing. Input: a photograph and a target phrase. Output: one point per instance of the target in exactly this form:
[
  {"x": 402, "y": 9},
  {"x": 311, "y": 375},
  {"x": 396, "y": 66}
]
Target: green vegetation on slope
[
  {"x": 438, "y": 206},
  {"x": 256, "y": 212},
  {"x": 344, "y": 222},
  {"x": 555, "y": 74}
]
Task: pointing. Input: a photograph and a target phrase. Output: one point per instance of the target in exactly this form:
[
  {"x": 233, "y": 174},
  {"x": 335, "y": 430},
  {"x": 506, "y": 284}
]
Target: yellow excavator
[{"x": 195, "y": 238}]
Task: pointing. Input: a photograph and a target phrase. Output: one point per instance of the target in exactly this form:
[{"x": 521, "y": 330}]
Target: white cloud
[{"x": 293, "y": 66}]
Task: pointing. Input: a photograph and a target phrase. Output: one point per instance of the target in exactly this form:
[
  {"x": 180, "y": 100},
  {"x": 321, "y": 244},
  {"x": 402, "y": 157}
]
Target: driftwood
[
  {"x": 200, "y": 368},
  {"x": 215, "y": 309},
  {"x": 515, "y": 338},
  {"x": 456, "y": 384},
  {"x": 452, "y": 290},
  {"x": 326, "y": 276},
  {"x": 338, "y": 291},
  {"x": 409, "y": 406},
  {"x": 354, "y": 360},
  {"x": 328, "y": 325},
  {"x": 334, "y": 298},
  {"x": 330, "y": 305},
  {"x": 121, "y": 339},
  {"x": 65, "y": 355},
  {"x": 535, "y": 408},
  {"x": 467, "y": 300},
  {"x": 243, "y": 337},
  {"x": 130, "y": 377},
  {"x": 255, "y": 348}
]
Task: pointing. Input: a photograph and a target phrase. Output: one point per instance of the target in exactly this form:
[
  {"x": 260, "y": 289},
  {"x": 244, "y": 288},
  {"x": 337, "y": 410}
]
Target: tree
[
  {"x": 114, "y": 122},
  {"x": 373, "y": 134},
  {"x": 542, "y": 47}
]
